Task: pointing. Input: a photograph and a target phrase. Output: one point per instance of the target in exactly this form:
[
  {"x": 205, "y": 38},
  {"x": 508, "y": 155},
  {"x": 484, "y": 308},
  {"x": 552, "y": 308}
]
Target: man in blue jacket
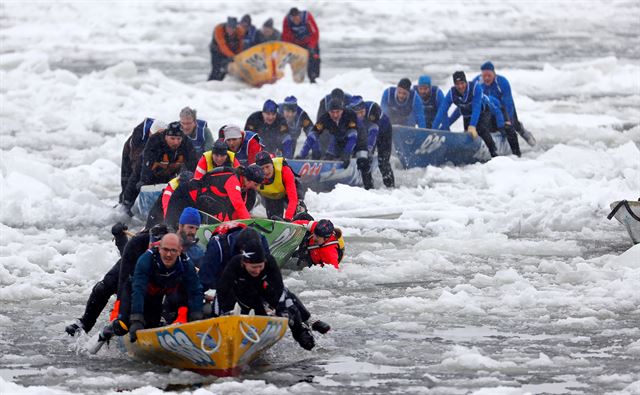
[
  {"x": 375, "y": 129},
  {"x": 476, "y": 110},
  {"x": 431, "y": 96},
  {"x": 161, "y": 272},
  {"x": 403, "y": 105},
  {"x": 498, "y": 86}
]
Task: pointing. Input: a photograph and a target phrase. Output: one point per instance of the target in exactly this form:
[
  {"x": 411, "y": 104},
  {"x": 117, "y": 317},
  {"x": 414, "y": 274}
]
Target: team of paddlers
[{"x": 162, "y": 277}]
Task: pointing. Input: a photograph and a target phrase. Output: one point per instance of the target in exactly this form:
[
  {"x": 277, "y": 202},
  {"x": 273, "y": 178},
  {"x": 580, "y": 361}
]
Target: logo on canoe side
[
  {"x": 258, "y": 63},
  {"x": 430, "y": 144},
  {"x": 286, "y": 235},
  {"x": 269, "y": 336},
  {"x": 179, "y": 343},
  {"x": 310, "y": 169}
]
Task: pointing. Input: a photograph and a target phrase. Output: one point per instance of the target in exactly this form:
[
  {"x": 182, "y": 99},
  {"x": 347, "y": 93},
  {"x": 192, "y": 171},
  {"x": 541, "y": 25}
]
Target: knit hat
[
  {"x": 246, "y": 18},
  {"x": 290, "y": 103},
  {"x": 263, "y": 158},
  {"x": 424, "y": 80},
  {"x": 335, "y": 104},
  {"x": 190, "y": 216},
  {"x": 337, "y": 93},
  {"x": 268, "y": 23},
  {"x": 459, "y": 76},
  {"x": 487, "y": 66},
  {"x": 270, "y": 106},
  {"x": 253, "y": 251},
  {"x": 232, "y": 132},
  {"x": 232, "y": 22},
  {"x": 356, "y": 103},
  {"x": 174, "y": 129},
  {"x": 405, "y": 83},
  {"x": 219, "y": 148},
  {"x": 294, "y": 11}
]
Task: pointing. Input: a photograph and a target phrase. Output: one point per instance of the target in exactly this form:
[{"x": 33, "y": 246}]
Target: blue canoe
[
  {"x": 324, "y": 175},
  {"x": 427, "y": 147}
]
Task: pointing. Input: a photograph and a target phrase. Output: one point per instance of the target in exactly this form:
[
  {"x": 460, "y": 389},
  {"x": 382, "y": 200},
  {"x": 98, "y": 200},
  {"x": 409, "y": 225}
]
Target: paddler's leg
[
  {"x": 383, "y": 144},
  {"x": 98, "y": 299},
  {"x": 484, "y": 130}
]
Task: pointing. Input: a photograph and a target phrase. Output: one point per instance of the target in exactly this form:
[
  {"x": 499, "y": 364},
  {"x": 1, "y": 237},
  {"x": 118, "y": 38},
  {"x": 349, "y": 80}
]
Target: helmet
[
  {"x": 324, "y": 228},
  {"x": 254, "y": 173},
  {"x": 220, "y": 148}
]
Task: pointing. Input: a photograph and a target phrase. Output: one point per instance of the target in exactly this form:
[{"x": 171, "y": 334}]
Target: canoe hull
[
  {"x": 283, "y": 237},
  {"x": 217, "y": 346},
  {"x": 426, "y": 147},
  {"x": 265, "y": 63},
  {"x": 628, "y": 215}
]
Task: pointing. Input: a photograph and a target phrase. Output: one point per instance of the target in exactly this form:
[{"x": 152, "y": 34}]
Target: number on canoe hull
[{"x": 430, "y": 144}]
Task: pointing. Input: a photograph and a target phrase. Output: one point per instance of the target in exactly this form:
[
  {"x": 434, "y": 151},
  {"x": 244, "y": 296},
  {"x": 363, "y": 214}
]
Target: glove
[
  {"x": 195, "y": 316},
  {"x": 118, "y": 229},
  {"x": 276, "y": 218},
  {"x": 137, "y": 323},
  {"x": 119, "y": 328},
  {"x": 346, "y": 160},
  {"x": 472, "y": 132},
  {"x": 139, "y": 185},
  {"x": 300, "y": 157}
]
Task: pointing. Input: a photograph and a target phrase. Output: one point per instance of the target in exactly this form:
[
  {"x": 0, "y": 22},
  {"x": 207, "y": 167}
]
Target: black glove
[
  {"x": 346, "y": 160},
  {"x": 118, "y": 229},
  {"x": 139, "y": 185},
  {"x": 277, "y": 218},
  {"x": 137, "y": 323},
  {"x": 299, "y": 157},
  {"x": 119, "y": 328},
  {"x": 195, "y": 316}
]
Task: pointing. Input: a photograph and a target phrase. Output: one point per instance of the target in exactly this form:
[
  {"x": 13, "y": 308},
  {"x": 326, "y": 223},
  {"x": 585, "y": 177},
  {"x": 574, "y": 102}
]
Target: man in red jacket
[
  {"x": 324, "y": 244},
  {"x": 300, "y": 28}
]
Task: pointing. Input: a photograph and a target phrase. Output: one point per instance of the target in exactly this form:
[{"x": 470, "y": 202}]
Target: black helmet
[
  {"x": 324, "y": 228},
  {"x": 254, "y": 173},
  {"x": 220, "y": 148}
]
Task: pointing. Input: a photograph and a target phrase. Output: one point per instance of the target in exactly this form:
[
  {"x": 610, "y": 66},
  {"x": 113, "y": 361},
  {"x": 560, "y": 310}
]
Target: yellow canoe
[
  {"x": 218, "y": 346},
  {"x": 265, "y": 63}
]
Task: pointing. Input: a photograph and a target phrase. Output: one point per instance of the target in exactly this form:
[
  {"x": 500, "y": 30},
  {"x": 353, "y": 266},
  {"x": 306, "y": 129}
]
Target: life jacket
[
  {"x": 276, "y": 189},
  {"x": 431, "y": 106},
  {"x": 211, "y": 164},
  {"x": 400, "y": 112},
  {"x": 334, "y": 241},
  {"x": 300, "y": 31},
  {"x": 464, "y": 101},
  {"x": 163, "y": 280},
  {"x": 211, "y": 195},
  {"x": 167, "y": 167},
  {"x": 243, "y": 151},
  {"x": 199, "y": 136}
]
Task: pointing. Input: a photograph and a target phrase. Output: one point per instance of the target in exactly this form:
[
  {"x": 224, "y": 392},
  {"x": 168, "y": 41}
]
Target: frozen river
[{"x": 496, "y": 278}]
